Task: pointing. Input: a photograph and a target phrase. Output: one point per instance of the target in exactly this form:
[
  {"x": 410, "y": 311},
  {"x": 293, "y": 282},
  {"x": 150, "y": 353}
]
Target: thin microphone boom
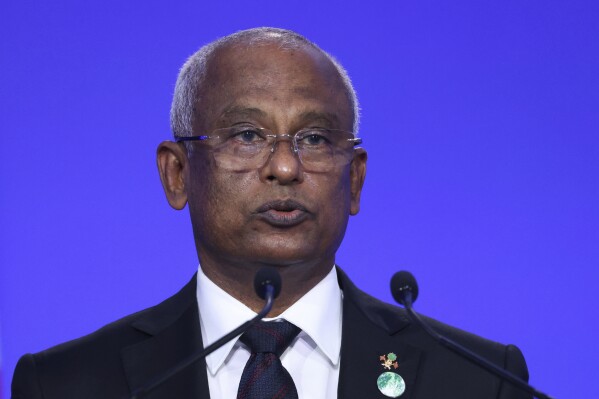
[
  {"x": 267, "y": 284},
  {"x": 405, "y": 291}
]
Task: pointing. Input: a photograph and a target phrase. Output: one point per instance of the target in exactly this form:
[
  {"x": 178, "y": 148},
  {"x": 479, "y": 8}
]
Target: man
[{"x": 266, "y": 158}]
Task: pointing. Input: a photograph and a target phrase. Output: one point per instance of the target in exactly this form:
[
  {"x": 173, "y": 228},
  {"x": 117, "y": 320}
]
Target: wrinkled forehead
[{"x": 241, "y": 72}]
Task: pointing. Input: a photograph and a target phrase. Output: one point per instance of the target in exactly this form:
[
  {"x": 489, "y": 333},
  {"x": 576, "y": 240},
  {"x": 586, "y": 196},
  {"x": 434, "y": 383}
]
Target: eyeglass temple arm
[{"x": 191, "y": 138}]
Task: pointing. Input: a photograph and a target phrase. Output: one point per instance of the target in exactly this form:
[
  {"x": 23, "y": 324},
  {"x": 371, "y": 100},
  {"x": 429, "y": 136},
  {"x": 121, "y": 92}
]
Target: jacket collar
[{"x": 372, "y": 329}]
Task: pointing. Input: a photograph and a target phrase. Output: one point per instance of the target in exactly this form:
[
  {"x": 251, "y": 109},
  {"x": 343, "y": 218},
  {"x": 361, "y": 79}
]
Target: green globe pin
[{"x": 391, "y": 384}]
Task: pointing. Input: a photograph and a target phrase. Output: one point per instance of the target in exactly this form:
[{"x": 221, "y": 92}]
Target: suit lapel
[
  {"x": 173, "y": 329},
  {"x": 370, "y": 331}
]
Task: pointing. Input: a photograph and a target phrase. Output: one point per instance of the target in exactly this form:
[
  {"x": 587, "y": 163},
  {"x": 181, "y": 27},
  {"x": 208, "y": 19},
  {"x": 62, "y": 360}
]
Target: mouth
[{"x": 282, "y": 213}]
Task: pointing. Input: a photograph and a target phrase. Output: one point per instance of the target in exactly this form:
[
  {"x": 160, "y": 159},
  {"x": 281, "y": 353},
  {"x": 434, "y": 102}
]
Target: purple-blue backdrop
[{"x": 481, "y": 120}]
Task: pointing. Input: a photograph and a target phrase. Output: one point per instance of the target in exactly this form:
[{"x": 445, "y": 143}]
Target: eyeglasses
[{"x": 245, "y": 147}]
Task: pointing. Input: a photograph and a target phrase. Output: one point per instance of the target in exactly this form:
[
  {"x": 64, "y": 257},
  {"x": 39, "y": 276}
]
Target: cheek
[
  {"x": 218, "y": 200},
  {"x": 333, "y": 195}
]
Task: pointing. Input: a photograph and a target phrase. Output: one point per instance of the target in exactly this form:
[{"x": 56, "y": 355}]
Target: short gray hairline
[{"x": 193, "y": 72}]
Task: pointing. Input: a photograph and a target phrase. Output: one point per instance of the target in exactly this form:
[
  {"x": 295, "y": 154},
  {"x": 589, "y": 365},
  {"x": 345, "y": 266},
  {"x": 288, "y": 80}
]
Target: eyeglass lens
[{"x": 244, "y": 148}]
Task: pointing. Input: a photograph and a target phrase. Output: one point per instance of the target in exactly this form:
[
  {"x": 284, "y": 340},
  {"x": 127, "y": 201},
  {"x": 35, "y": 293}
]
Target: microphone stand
[
  {"x": 468, "y": 354},
  {"x": 269, "y": 294}
]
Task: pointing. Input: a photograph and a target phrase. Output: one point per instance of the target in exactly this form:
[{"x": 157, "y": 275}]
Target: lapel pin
[{"x": 389, "y": 383}]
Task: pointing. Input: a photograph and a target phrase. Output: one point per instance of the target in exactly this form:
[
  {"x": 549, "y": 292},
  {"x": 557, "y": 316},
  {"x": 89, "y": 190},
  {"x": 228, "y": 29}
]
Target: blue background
[{"x": 481, "y": 120}]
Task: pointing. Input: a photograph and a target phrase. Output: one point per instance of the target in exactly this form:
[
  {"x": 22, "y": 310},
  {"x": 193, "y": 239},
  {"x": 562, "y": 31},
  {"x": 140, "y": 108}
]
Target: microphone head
[
  {"x": 400, "y": 283},
  {"x": 267, "y": 276}
]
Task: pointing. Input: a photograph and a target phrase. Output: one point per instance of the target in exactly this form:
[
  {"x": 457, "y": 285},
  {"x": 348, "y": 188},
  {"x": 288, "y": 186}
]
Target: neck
[{"x": 237, "y": 279}]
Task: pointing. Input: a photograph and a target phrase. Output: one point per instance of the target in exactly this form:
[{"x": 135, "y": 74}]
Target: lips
[{"x": 282, "y": 213}]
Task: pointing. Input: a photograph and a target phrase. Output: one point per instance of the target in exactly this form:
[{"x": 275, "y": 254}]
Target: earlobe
[
  {"x": 172, "y": 167},
  {"x": 357, "y": 177}
]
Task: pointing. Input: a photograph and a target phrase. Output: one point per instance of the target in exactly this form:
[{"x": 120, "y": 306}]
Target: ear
[
  {"x": 357, "y": 176},
  {"x": 173, "y": 167}
]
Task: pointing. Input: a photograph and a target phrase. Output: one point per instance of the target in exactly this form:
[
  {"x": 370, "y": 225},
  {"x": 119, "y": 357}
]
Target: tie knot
[{"x": 270, "y": 336}]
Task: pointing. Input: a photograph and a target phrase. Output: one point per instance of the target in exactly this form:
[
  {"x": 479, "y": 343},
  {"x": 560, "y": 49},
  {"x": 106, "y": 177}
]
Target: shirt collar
[{"x": 323, "y": 303}]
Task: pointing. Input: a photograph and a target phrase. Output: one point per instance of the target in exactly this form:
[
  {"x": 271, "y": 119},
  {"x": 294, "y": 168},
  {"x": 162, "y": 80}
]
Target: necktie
[{"x": 264, "y": 377}]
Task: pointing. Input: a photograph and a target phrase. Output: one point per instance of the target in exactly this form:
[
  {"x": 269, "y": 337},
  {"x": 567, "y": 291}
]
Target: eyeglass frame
[{"x": 292, "y": 137}]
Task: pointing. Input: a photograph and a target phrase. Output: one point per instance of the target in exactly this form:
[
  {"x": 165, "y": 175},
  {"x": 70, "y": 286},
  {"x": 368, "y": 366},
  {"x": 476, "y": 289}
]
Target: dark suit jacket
[{"x": 124, "y": 355}]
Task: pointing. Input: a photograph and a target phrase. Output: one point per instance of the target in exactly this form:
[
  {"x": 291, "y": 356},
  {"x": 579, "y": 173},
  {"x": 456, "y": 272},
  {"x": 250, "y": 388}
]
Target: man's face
[{"x": 277, "y": 214}]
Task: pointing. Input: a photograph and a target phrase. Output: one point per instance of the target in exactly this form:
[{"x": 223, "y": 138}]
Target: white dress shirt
[{"x": 312, "y": 359}]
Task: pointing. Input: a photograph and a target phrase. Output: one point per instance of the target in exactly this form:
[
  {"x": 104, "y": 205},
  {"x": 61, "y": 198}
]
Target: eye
[
  {"x": 246, "y": 135},
  {"x": 314, "y": 137}
]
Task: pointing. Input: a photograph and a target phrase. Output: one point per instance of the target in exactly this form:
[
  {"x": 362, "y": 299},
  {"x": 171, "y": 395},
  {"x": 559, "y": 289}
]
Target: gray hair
[{"x": 193, "y": 72}]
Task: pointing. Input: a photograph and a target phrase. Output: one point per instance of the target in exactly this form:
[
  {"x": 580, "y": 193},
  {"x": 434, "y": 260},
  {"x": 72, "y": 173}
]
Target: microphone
[
  {"x": 267, "y": 284},
  {"x": 404, "y": 288},
  {"x": 405, "y": 291}
]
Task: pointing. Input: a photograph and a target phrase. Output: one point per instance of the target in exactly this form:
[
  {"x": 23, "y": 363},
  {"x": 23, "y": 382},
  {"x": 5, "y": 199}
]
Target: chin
[
  {"x": 286, "y": 249},
  {"x": 285, "y": 259},
  {"x": 291, "y": 256}
]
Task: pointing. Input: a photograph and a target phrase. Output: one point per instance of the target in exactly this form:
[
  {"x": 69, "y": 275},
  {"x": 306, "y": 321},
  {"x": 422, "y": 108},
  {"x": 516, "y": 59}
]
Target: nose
[{"x": 283, "y": 164}]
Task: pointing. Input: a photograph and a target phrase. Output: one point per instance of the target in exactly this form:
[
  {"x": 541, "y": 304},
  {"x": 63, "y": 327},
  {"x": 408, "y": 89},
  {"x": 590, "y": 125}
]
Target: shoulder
[
  {"x": 126, "y": 330},
  {"x": 394, "y": 320},
  {"x": 372, "y": 328},
  {"x": 77, "y": 363},
  {"x": 96, "y": 358}
]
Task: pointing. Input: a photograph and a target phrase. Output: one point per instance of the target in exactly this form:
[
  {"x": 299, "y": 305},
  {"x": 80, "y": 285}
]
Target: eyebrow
[
  {"x": 237, "y": 110},
  {"x": 328, "y": 118}
]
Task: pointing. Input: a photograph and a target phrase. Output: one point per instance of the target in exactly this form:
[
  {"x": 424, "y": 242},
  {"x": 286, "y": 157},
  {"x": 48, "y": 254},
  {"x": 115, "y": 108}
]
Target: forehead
[{"x": 272, "y": 83}]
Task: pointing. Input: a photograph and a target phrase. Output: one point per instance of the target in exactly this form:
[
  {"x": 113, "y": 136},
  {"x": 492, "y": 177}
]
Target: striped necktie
[{"x": 264, "y": 376}]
